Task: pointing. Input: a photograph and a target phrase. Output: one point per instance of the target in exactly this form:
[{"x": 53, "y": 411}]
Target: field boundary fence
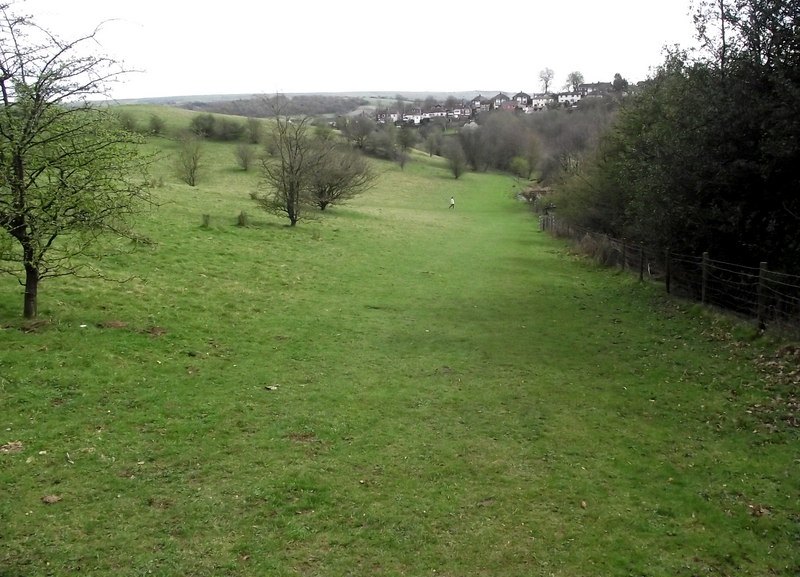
[{"x": 769, "y": 298}]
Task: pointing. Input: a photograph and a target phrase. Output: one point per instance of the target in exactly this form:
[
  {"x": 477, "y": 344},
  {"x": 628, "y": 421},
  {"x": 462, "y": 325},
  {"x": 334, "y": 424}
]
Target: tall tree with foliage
[
  {"x": 357, "y": 129},
  {"x": 705, "y": 155},
  {"x": 454, "y": 154},
  {"x": 69, "y": 173},
  {"x": 546, "y": 76},
  {"x": 574, "y": 80}
]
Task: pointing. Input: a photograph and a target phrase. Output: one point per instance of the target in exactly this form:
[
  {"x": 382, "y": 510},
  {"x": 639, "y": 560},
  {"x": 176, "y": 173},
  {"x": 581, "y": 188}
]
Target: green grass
[{"x": 392, "y": 388}]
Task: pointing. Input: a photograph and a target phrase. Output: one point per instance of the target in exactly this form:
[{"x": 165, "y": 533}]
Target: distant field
[{"x": 392, "y": 388}]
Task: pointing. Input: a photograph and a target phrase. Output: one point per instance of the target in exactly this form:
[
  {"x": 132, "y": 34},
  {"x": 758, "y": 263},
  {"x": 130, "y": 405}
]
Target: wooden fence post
[
  {"x": 704, "y": 278},
  {"x": 624, "y": 254},
  {"x": 761, "y": 315},
  {"x": 667, "y": 271},
  {"x": 641, "y": 262}
]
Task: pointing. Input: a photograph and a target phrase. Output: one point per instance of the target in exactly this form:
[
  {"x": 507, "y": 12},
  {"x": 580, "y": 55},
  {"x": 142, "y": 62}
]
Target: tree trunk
[
  {"x": 294, "y": 210},
  {"x": 31, "y": 291}
]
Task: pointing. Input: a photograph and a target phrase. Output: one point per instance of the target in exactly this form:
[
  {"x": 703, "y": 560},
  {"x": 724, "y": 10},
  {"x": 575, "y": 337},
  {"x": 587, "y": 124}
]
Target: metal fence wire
[{"x": 753, "y": 292}]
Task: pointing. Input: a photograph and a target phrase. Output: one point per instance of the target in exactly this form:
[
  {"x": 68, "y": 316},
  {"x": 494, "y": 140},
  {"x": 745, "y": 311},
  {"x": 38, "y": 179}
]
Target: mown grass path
[{"x": 396, "y": 388}]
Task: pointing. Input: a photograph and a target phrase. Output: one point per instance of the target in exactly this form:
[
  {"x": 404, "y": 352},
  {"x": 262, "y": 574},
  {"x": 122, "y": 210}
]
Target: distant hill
[{"x": 183, "y": 100}]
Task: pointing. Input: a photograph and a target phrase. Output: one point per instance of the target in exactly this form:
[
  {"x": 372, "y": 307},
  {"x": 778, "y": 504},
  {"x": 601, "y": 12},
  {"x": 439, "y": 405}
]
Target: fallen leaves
[{"x": 782, "y": 374}]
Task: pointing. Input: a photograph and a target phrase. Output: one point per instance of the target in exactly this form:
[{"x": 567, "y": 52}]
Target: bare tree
[
  {"x": 339, "y": 173},
  {"x": 245, "y": 155},
  {"x": 69, "y": 173},
  {"x": 189, "y": 159},
  {"x": 306, "y": 166},
  {"x": 255, "y": 130},
  {"x": 546, "y": 77},
  {"x": 287, "y": 173}
]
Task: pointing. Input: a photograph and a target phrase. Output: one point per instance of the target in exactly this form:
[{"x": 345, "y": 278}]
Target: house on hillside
[
  {"x": 383, "y": 116},
  {"x": 520, "y": 102},
  {"x": 480, "y": 104},
  {"x": 596, "y": 88},
  {"x": 541, "y": 101},
  {"x": 413, "y": 116},
  {"x": 498, "y": 100},
  {"x": 569, "y": 98},
  {"x": 437, "y": 111},
  {"x": 460, "y": 112},
  {"x": 522, "y": 99}
]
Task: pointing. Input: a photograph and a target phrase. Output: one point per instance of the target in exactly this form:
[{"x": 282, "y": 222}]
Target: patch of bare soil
[
  {"x": 12, "y": 447},
  {"x": 113, "y": 325}
]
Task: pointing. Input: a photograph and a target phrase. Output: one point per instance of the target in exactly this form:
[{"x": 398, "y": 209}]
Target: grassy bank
[{"x": 392, "y": 388}]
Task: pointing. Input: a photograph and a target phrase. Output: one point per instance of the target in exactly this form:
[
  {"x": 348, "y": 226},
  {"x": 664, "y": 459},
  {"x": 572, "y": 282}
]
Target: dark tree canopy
[{"x": 704, "y": 156}]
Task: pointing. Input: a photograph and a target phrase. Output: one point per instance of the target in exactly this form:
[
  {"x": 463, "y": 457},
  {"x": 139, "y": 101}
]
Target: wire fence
[{"x": 769, "y": 298}]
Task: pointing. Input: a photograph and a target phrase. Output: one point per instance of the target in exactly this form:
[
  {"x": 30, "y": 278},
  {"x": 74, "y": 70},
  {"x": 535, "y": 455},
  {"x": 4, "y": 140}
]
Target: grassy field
[{"x": 392, "y": 388}]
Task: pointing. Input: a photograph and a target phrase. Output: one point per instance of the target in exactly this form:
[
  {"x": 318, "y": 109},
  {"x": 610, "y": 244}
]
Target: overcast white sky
[{"x": 288, "y": 46}]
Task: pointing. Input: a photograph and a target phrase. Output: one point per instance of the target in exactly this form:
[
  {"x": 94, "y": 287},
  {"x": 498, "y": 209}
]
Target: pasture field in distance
[{"x": 390, "y": 388}]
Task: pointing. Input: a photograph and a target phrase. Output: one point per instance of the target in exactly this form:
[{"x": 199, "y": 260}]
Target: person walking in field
[{"x": 452, "y": 202}]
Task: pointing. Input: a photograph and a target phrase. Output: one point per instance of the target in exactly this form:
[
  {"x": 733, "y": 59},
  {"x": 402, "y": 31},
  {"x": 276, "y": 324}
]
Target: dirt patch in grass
[
  {"x": 12, "y": 447},
  {"x": 113, "y": 325},
  {"x": 302, "y": 437},
  {"x": 156, "y": 332}
]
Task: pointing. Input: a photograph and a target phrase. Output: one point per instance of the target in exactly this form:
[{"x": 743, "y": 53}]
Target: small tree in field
[
  {"x": 156, "y": 125},
  {"x": 204, "y": 125},
  {"x": 305, "y": 166},
  {"x": 520, "y": 167},
  {"x": 245, "y": 155},
  {"x": 189, "y": 160},
  {"x": 287, "y": 172},
  {"x": 358, "y": 129},
  {"x": 456, "y": 159},
  {"x": 254, "y": 129},
  {"x": 340, "y": 173},
  {"x": 69, "y": 173}
]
